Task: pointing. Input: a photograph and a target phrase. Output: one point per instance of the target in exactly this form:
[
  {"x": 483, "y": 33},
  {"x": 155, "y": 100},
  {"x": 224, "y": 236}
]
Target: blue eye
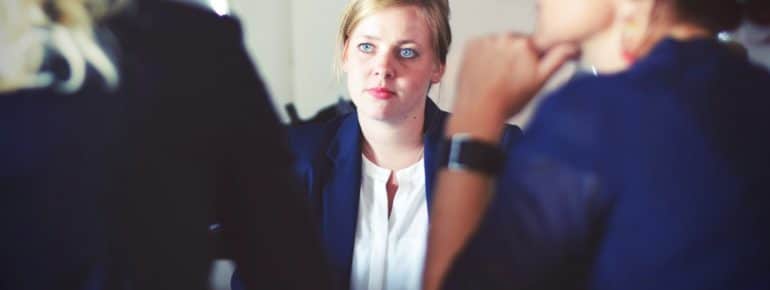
[
  {"x": 366, "y": 47},
  {"x": 407, "y": 53}
]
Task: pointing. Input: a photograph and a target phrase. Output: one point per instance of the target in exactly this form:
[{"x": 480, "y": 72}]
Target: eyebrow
[{"x": 400, "y": 42}]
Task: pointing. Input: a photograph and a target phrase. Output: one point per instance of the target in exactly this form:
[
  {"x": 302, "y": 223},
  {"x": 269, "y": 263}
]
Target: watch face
[
  {"x": 455, "y": 150},
  {"x": 464, "y": 153}
]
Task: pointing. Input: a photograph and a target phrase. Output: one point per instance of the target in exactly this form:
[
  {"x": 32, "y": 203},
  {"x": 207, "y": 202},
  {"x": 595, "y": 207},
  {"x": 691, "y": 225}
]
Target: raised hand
[{"x": 499, "y": 75}]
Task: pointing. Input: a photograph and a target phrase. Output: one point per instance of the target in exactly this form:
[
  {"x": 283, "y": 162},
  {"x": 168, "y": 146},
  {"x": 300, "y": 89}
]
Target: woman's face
[
  {"x": 572, "y": 21},
  {"x": 390, "y": 64}
]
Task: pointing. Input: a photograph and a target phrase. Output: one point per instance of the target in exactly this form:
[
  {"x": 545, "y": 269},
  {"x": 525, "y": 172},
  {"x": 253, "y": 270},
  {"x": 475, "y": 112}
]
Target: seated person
[
  {"x": 118, "y": 150},
  {"x": 57, "y": 84},
  {"x": 368, "y": 174},
  {"x": 651, "y": 178}
]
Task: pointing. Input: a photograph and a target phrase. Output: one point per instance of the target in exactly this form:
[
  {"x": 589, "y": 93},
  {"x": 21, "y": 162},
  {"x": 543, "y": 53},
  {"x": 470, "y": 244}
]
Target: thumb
[{"x": 553, "y": 59}]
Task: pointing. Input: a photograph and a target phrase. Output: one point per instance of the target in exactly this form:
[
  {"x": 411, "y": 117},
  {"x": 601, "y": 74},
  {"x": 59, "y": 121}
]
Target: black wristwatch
[{"x": 462, "y": 152}]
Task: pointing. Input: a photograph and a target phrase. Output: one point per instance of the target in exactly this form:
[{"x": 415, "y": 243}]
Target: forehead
[{"x": 395, "y": 24}]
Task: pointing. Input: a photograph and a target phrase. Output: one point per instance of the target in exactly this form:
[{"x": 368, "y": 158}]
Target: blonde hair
[
  {"x": 436, "y": 12},
  {"x": 29, "y": 29}
]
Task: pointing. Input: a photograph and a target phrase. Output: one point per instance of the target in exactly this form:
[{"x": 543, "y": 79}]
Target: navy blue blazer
[
  {"x": 654, "y": 178},
  {"x": 328, "y": 161},
  {"x": 201, "y": 143},
  {"x": 102, "y": 190}
]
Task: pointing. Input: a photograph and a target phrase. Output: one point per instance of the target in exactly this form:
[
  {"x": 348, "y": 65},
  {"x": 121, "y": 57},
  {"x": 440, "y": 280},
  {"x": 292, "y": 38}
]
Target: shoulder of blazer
[
  {"x": 435, "y": 121},
  {"x": 310, "y": 142}
]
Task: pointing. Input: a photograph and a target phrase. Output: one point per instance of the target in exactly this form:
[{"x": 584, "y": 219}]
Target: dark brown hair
[{"x": 714, "y": 15}]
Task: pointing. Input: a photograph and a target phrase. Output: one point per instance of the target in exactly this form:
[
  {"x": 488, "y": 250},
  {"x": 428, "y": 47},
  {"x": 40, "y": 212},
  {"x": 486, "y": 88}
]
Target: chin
[{"x": 379, "y": 113}]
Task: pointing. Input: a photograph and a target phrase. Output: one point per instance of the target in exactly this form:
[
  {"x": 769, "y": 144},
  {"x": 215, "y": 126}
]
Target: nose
[{"x": 384, "y": 66}]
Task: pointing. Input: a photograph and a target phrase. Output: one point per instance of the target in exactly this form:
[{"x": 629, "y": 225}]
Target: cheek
[
  {"x": 416, "y": 83},
  {"x": 354, "y": 64},
  {"x": 573, "y": 21},
  {"x": 576, "y": 27},
  {"x": 599, "y": 17},
  {"x": 354, "y": 84},
  {"x": 549, "y": 15},
  {"x": 356, "y": 72}
]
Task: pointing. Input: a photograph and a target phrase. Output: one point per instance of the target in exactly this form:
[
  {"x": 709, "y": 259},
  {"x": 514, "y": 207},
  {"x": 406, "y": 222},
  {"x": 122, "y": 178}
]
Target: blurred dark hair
[
  {"x": 738, "y": 49},
  {"x": 758, "y": 11},
  {"x": 714, "y": 15}
]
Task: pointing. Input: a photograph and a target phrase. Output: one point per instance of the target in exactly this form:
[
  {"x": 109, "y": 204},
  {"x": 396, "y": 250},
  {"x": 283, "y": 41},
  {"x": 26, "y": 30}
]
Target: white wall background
[{"x": 293, "y": 44}]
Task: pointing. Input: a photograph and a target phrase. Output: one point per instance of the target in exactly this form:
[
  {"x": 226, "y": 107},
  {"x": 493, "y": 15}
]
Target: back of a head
[
  {"x": 714, "y": 15},
  {"x": 32, "y": 31},
  {"x": 736, "y": 91},
  {"x": 758, "y": 11}
]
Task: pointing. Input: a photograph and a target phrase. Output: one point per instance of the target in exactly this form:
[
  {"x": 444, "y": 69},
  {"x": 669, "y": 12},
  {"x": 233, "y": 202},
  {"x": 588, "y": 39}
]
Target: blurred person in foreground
[
  {"x": 207, "y": 149},
  {"x": 123, "y": 141},
  {"x": 650, "y": 178},
  {"x": 58, "y": 81}
]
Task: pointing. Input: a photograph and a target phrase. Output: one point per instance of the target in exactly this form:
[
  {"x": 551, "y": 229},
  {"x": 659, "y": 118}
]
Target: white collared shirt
[{"x": 389, "y": 252}]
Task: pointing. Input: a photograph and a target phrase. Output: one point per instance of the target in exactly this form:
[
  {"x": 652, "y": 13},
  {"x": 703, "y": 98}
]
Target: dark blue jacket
[
  {"x": 52, "y": 187},
  {"x": 201, "y": 144},
  {"x": 655, "y": 178},
  {"x": 328, "y": 161},
  {"x": 117, "y": 191}
]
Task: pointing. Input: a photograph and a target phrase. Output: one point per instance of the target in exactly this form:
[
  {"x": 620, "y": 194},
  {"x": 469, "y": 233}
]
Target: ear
[
  {"x": 648, "y": 11},
  {"x": 438, "y": 72},
  {"x": 636, "y": 16}
]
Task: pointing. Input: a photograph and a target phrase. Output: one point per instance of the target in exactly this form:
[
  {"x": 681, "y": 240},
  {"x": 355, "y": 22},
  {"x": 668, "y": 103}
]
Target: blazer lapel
[
  {"x": 341, "y": 195},
  {"x": 340, "y": 198},
  {"x": 434, "y": 129}
]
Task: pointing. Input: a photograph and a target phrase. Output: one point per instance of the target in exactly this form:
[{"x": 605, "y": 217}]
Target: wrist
[
  {"x": 484, "y": 125},
  {"x": 464, "y": 152}
]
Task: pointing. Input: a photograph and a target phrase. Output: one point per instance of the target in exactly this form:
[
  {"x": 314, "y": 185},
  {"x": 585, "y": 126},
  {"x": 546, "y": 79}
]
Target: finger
[{"x": 553, "y": 59}]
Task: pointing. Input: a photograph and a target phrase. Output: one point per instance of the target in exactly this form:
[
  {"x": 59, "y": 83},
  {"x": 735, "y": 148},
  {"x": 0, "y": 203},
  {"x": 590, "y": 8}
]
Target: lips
[{"x": 381, "y": 93}]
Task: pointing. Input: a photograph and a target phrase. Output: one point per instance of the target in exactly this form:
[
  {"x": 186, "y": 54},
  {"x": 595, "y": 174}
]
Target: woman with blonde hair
[
  {"x": 133, "y": 186},
  {"x": 369, "y": 174}
]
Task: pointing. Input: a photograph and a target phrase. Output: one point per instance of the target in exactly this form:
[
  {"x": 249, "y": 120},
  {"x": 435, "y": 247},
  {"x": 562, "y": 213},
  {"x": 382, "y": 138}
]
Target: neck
[
  {"x": 686, "y": 32},
  {"x": 393, "y": 145},
  {"x": 681, "y": 31}
]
